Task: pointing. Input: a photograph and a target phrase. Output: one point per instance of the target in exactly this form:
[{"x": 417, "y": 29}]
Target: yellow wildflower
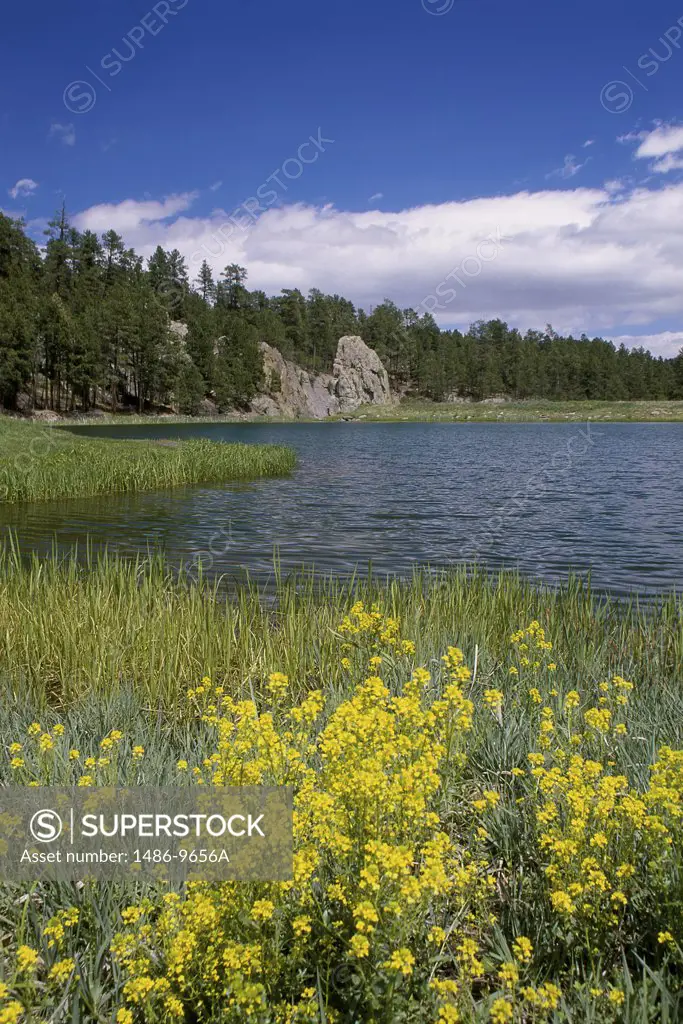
[
  {"x": 522, "y": 949},
  {"x": 263, "y": 910},
  {"x": 359, "y": 945},
  {"x": 27, "y": 959},
  {"x": 278, "y": 684},
  {"x": 61, "y": 971},
  {"x": 501, "y": 1011},
  {"x": 401, "y": 960},
  {"x": 493, "y": 699}
]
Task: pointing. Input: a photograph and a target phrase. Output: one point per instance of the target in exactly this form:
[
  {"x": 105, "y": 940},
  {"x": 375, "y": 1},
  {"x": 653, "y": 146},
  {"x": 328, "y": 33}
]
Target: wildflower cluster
[
  {"x": 46, "y": 756},
  {"x": 370, "y": 630},
  {"x": 533, "y": 650},
  {"x": 374, "y": 869},
  {"x": 400, "y": 904},
  {"x": 46, "y": 973},
  {"x": 604, "y": 841}
]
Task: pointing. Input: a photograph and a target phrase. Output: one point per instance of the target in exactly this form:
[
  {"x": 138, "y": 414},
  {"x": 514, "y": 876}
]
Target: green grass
[
  {"x": 530, "y": 411},
  {"x": 115, "y": 644},
  {"x": 145, "y": 419},
  {"x": 423, "y": 411},
  {"x": 39, "y": 463},
  {"x": 68, "y": 630}
]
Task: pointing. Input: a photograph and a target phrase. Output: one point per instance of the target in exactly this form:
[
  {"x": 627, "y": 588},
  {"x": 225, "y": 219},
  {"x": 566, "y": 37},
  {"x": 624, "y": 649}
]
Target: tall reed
[
  {"x": 38, "y": 464},
  {"x": 98, "y": 625},
  {"x": 97, "y": 644}
]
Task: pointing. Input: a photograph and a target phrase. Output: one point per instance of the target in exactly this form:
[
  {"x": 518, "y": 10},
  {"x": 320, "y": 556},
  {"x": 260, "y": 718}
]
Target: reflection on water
[{"x": 547, "y": 498}]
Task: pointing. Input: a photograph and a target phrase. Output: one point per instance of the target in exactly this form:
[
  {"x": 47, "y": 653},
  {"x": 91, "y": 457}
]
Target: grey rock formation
[
  {"x": 46, "y": 416},
  {"x": 179, "y": 330},
  {"x": 24, "y": 404},
  {"x": 178, "y": 333},
  {"x": 360, "y": 375},
  {"x": 290, "y": 391},
  {"x": 208, "y": 408}
]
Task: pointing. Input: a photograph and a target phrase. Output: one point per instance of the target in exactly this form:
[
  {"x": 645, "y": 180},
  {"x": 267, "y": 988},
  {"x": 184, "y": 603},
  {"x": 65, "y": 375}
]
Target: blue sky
[{"x": 448, "y": 122}]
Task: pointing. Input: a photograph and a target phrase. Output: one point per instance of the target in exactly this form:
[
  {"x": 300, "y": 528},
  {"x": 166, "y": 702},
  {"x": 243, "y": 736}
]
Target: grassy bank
[
  {"x": 421, "y": 411},
  {"x": 39, "y": 463},
  {"x": 530, "y": 411},
  {"x": 481, "y": 834},
  {"x": 71, "y": 630}
]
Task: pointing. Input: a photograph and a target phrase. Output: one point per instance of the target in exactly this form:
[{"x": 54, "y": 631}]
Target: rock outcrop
[
  {"x": 179, "y": 330},
  {"x": 358, "y": 378},
  {"x": 291, "y": 391}
]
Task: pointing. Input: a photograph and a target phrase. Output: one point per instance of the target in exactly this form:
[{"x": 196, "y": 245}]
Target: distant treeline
[{"x": 86, "y": 322}]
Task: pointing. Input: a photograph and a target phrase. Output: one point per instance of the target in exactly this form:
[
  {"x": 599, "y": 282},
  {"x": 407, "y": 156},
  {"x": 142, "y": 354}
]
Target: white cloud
[
  {"x": 65, "y": 132},
  {"x": 132, "y": 216},
  {"x": 660, "y": 146},
  {"x": 583, "y": 259},
  {"x": 668, "y": 163},
  {"x": 667, "y": 343},
  {"x": 23, "y": 187},
  {"x": 569, "y": 168},
  {"x": 216, "y": 185},
  {"x": 374, "y": 198},
  {"x": 587, "y": 143},
  {"x": 665, "y": 138}
]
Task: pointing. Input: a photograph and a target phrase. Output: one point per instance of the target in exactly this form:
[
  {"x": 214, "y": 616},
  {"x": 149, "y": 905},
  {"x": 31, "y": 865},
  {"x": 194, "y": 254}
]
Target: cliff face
[{"x": 358, "y": 377}]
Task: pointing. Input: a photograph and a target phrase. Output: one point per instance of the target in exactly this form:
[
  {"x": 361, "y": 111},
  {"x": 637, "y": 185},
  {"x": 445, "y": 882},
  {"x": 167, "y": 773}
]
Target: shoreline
[
  {"x": 448, "y": 718},
  {"x": 39, "y": 464},
  {"x": 410, "y": 412}
]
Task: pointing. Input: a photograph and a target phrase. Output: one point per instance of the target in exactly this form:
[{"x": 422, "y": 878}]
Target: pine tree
[
  {"x": 239, "y": 366},
  {"x": 87, "y": 322},
  {"x": 59, "y": 255},
  {"x": 206, "y": 285},
  {"x": 231, "y": 291},
  {"x": 189, "y": 389},
  {"x": 114, "y": 264}
]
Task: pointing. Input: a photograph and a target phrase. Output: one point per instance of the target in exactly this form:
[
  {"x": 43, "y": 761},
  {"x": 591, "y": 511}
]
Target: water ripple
[{"x": 544, "y": 498}]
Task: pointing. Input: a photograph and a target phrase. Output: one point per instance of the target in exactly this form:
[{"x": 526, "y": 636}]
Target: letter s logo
[{"x": 46, "y": 826}]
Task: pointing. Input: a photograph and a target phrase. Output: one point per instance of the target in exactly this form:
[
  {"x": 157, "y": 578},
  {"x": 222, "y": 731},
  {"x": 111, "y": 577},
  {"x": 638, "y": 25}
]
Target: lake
[{"x": 545, "y": 498}]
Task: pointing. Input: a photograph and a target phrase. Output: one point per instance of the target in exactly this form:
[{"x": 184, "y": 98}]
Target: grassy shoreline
[
  {"x": 530, "y": 411},
  {"x": 164, "y": 626},
  {"x": 40, "y": 463},
  {"x": 418, "y": 411},
  {"x": 502, "y": 819}
]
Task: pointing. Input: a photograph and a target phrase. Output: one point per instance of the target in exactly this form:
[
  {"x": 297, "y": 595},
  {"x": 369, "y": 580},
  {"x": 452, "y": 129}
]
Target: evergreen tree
[
  {"x": 189, "y": 389},
  {"x": 86, "y": 322},
  {"x": 114, "y": 258},
  {"x": 231, "y": 291},
  {"x": 206, "y": 286},
  {"x": 59, "y": 255},
  {"x": 239, "y": 366}
]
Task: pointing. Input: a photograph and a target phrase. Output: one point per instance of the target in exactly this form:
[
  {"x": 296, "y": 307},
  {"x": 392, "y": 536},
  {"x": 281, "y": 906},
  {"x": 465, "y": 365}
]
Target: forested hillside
[{"x": 85, "y": 321}]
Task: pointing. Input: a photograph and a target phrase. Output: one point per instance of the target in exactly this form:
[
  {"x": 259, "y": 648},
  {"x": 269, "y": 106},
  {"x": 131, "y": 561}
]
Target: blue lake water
[{"x": 548, "y": 499}]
